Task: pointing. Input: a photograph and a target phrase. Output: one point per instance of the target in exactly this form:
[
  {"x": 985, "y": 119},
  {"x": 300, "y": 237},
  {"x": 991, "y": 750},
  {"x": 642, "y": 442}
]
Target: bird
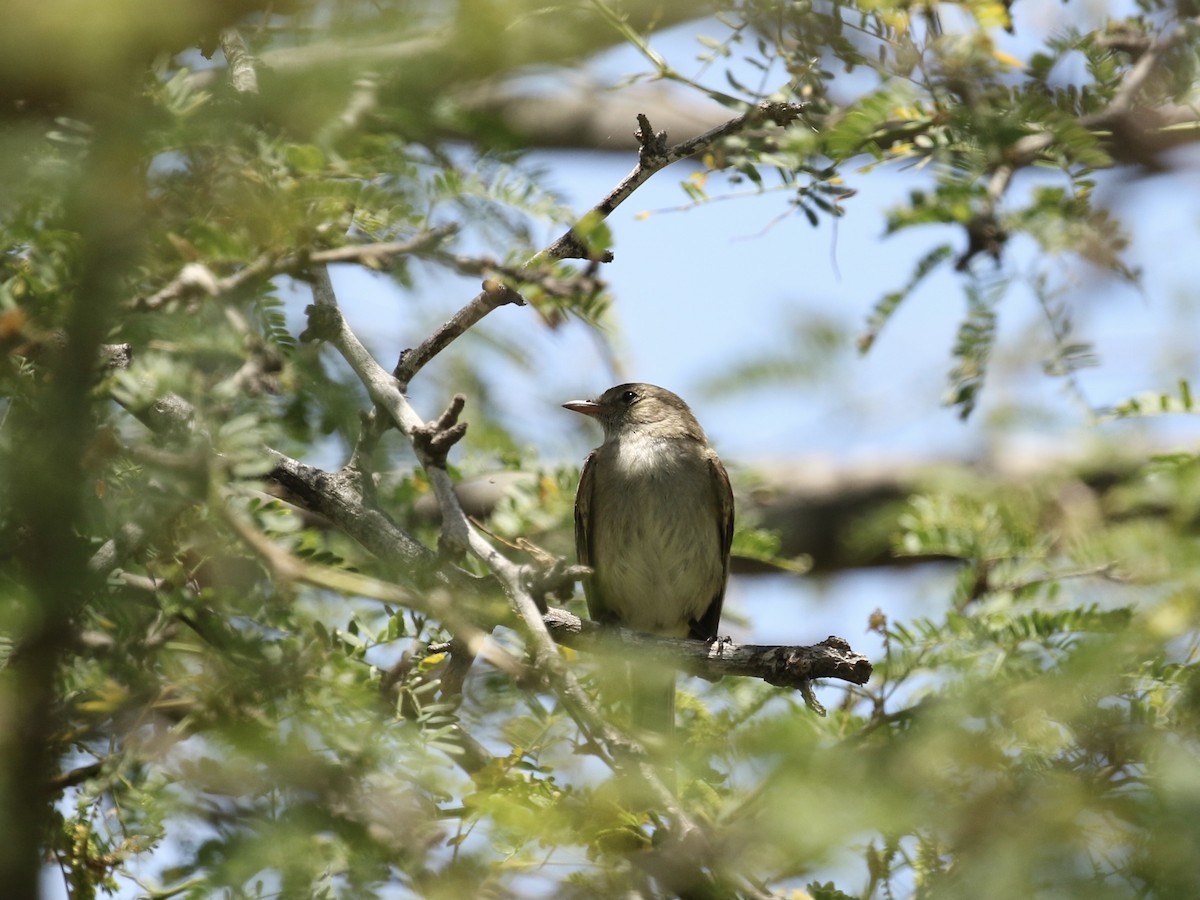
[{"x": 654, "y": 521}]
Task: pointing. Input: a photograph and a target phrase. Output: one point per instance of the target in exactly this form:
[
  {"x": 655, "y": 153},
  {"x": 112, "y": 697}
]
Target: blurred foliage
[
  {"x": 200, "y": 692},
  {"x": 1000, "y": 148}
]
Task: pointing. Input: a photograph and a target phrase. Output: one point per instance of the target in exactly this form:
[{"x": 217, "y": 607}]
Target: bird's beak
[{"x": 587, "y": 407}]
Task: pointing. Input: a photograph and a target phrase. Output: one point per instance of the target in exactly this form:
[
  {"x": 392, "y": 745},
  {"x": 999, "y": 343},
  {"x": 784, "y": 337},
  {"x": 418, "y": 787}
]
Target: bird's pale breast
[{"x": 658, "y": 557}]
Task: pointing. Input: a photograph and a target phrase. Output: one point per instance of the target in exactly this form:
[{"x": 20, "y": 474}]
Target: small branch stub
[
  {"x": 433, "y": 440},
  {"x": 555, "y": 580},
  {"x": 652, "y": 152},
  {"x": 499, "y": 293}
]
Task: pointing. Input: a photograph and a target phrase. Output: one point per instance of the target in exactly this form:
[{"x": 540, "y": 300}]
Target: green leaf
[
  {"x": 973, "y": 348},
  {"x": 887, "y": 305}
]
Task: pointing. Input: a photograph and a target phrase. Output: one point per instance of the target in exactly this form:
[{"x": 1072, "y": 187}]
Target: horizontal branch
[
  {"x": 453, "y": 49},
  {"x": 576, "y": 112},
  {"x": 197, "y": 280},
  {"x": 783, "y": 666}
]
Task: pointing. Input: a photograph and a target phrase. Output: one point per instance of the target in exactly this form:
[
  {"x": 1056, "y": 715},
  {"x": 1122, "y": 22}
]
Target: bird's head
[{"x": 643, "y": 409}]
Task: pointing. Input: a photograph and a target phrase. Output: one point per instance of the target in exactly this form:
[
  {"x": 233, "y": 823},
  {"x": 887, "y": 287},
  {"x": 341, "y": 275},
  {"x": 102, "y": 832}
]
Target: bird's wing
[
  {"x": 583, "y": 536},
  {"x": 705, "y": 627}
]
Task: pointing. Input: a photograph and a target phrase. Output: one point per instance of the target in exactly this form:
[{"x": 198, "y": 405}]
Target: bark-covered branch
[
  {"x": 654, "y": 155},
  {"x": 783, "y": 666},
  {"x": 242, "y": 75},
  {"x": 196, "y": 280},
  {"x": 339, "y": 496},
  {"x": 494, "y": 295},
  {"x": 579, "y": 113},
  {"x": 844, "y": 516}
]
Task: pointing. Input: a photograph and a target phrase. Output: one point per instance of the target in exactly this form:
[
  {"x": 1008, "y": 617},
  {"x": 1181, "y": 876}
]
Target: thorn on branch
[
  {"x": 433, "y": 440},
  {"x": 653, "y": 151},
  {"x": 781, "y": 113}
]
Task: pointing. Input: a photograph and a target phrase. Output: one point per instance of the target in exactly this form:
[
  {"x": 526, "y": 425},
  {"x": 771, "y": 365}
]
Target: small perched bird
[{"x": 654, "y": 521}]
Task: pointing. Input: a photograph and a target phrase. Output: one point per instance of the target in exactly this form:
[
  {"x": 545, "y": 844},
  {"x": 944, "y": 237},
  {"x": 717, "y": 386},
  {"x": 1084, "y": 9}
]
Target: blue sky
[{"x": 698, "y": 291}]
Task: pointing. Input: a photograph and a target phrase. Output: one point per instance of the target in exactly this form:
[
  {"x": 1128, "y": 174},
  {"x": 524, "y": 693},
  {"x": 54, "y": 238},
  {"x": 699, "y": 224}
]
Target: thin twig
[
  {"x": 551, "y": 281},
  {"x": 195, "y": 279},
  {"x": 654, "y": 155},
  {"x": 63, "y": 780},
  {"x": 494, "y": 295}
]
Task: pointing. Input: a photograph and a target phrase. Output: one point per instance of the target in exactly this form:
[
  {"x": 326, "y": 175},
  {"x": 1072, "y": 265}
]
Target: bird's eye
[{"x": 629, "y": 396}]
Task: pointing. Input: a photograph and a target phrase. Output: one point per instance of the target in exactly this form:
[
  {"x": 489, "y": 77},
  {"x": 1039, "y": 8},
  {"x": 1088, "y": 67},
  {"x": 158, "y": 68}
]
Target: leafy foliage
[
  {"x": 228, "y": 668},
  {"x": 884, "y": 85}
]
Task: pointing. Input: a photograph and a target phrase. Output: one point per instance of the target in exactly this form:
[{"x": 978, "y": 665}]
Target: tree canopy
[{"x": 257, "y": 637}]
